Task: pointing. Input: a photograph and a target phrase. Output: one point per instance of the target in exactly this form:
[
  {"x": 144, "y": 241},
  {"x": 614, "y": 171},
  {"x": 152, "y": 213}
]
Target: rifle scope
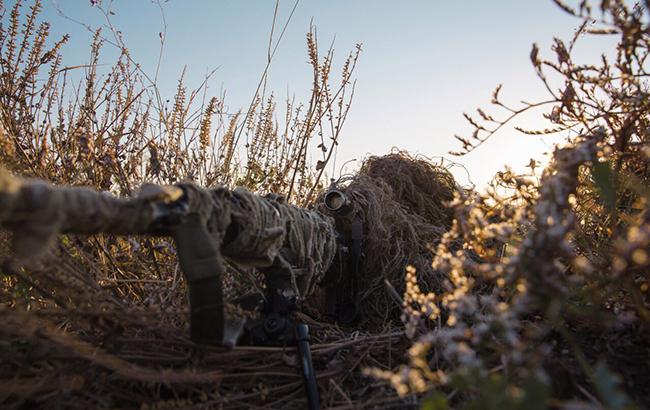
[{"x": 336, "y": 201}]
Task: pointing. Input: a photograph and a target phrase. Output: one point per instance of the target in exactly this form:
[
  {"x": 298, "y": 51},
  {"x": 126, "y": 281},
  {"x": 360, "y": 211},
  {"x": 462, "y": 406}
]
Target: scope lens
[{"x": 334, "y": 200}]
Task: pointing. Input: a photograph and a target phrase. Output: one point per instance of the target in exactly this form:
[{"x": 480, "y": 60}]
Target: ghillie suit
[
  {"x": 402, "y": 203},
  {"x": 395, "y": 206},
  {"x": 136, "y": 342}
]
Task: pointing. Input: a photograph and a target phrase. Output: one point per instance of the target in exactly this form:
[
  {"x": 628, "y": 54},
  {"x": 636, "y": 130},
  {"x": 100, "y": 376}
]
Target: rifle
[{"x": 295, "y": 248}]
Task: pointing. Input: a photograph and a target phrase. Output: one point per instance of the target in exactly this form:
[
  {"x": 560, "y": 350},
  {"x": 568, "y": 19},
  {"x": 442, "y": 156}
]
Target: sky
[{"x": 423, "y": 63}]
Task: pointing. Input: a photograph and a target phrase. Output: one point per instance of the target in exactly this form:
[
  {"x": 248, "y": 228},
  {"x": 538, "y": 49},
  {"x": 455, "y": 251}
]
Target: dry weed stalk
[
  {"x": 107, "y": 317},
  {"x": 530, "y": 329}
]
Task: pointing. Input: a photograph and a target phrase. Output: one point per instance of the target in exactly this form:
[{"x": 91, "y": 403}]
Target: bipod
[
  {"x": 276, "y": 327},
  {"x": 202, "y": 265}
]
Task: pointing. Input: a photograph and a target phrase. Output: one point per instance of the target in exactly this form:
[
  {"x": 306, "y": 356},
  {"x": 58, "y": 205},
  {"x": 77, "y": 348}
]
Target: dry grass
[
  {"x": 560, "y": 321},
  {"x": 104, "y": 323}
]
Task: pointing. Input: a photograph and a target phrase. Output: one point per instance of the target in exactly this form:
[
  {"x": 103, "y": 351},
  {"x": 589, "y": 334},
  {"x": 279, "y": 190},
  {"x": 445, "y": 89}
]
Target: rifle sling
[
  {"x": 342, "y": 297},
  {"x": 200, "y": 260},
  {"x": 357, "y": 254}
]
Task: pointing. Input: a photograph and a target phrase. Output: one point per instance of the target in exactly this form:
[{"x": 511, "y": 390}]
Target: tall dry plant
[
  {"x": 102, "y": 300},
  {"x": 115, "y": 132},
  {"x": 562, "y": 320}
]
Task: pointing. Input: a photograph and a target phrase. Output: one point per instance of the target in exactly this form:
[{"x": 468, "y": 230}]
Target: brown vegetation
[
  {"x": 560, "y": 320},
  {"x": 563, "y": 321}
]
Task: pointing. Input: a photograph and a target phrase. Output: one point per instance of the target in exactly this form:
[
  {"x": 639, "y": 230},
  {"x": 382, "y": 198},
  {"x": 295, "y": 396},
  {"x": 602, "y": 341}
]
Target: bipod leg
[
  {"x": 277, "y": 328},
  {"x": 309, "y": 376}
]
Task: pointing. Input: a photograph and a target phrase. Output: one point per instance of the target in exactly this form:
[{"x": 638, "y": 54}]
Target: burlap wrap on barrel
[{"x": 293, "y": 246}]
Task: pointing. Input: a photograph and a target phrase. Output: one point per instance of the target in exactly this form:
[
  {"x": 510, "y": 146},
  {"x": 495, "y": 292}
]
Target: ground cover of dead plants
[{"x": 558, "y": 317}]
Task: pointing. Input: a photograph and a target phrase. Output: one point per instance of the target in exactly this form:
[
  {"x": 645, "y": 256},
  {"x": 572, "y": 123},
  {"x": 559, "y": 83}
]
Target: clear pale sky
[{"x": 423, "y": 64}]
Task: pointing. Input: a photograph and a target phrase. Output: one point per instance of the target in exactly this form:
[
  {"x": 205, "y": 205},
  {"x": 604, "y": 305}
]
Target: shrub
[{"x": 543, "y": 326}]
